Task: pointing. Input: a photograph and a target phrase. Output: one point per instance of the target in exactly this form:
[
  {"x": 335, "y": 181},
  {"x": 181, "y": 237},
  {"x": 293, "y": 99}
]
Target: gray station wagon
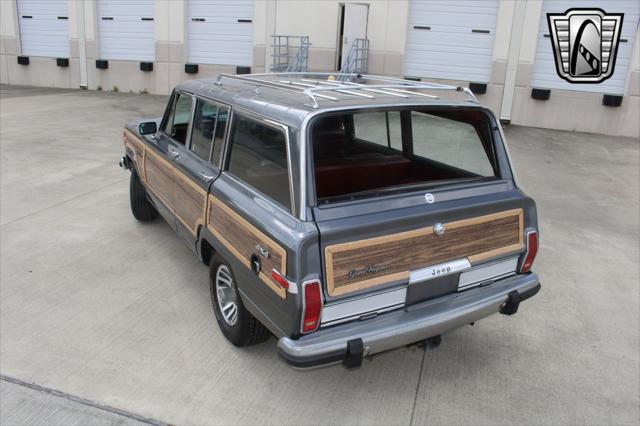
[{"x": 345, "y": 214}]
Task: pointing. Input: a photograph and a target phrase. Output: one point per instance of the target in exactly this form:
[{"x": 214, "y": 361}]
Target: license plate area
[{"x": 435, "y": 281}]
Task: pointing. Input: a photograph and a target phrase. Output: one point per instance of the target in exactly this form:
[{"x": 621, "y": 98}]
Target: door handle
[
  {"x": 205, "y": 176},
  {"x": 173, "y": 154}
]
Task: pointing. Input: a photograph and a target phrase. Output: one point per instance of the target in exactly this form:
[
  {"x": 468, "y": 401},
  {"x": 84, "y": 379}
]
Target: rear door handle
[{"x": 173, "y": 154}]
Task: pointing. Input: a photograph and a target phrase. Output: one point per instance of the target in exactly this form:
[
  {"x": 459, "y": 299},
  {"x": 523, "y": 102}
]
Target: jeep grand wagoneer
[{"x": 345, "y": 214}]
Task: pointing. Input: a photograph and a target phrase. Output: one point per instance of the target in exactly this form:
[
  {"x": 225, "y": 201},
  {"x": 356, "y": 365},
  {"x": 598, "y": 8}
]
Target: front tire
[
  {"x": 235, "y": 321},
  {"x": 141, "y": 207}
]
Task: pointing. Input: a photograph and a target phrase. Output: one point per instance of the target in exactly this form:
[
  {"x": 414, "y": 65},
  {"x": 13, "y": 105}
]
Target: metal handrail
[{"x": 396, "y": 86}]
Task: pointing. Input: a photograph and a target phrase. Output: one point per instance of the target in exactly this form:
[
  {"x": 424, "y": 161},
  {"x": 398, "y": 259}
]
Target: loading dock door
[
  {"x": 44, "y": 28},
  {"x": 220, "y": 32},
  {"x": 544, "y": 69},
  {"x": 126, "y": 30},
  {"x": 451, "y": 39}
]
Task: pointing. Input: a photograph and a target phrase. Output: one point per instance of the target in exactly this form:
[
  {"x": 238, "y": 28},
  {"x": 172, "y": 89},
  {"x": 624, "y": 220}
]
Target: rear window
[{"x": 369, "y": 152}]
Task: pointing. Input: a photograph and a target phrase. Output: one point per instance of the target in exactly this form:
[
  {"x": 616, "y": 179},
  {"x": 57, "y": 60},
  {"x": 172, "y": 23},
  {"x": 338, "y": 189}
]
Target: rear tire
[
  {"x": 235, "y": 321},
  {"x": 141, "y": 207}
]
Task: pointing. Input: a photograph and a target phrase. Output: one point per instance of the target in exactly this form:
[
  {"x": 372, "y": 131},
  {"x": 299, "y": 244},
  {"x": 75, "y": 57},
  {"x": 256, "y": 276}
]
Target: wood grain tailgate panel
[
  {"x": 241, "y": 238},
  {"x": 393, "y": 256}
]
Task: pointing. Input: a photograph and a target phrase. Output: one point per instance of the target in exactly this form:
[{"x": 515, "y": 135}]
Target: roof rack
[{"x": 343, "y": 84}]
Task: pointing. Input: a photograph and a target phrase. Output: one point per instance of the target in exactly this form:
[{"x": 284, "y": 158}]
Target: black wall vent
[
  {"x": 191, "y": 68},
  {"x": 540, "y": 94},
  {"x": 478, "y": 88},
  {"x": 243, "y": 70},
  {"x": 146, "y": 66},
  {"x": 412, "y": 78},
  {"x": 62, "y": 62},
  {"x": 23, "y": 60},
  {"x": 612, "y": 100},
  {"x": 102, "y": 64}
]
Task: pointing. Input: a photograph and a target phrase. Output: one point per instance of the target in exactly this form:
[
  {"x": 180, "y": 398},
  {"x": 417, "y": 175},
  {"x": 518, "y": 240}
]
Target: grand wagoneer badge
[{"x": 368, "y": 269}]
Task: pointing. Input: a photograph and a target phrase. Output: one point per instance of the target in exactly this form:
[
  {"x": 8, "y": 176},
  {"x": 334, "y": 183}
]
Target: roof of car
[{"x": 290, "y": 98}]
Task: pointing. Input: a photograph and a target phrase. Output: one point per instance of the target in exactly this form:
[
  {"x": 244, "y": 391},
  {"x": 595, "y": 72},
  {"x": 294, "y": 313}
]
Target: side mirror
[{"x": 147, "y": 128}]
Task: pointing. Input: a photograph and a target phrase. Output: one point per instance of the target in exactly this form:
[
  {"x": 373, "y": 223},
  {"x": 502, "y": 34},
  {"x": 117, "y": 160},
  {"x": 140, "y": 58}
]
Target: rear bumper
[{"x": 415, "y": 323}]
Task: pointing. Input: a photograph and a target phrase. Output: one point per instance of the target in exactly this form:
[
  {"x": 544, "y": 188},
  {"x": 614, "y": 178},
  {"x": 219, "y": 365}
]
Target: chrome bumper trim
[{"x": 409, "y": 325}]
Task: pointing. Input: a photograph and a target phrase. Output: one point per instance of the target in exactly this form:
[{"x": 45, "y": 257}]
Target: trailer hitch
[{"x": 510, "y": 307}]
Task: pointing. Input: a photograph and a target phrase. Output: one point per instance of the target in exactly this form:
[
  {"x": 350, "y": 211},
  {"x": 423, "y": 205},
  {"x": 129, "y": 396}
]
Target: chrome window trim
[
  {"x": 187, "y": 143},
  {"x": 506, "y": 150}
]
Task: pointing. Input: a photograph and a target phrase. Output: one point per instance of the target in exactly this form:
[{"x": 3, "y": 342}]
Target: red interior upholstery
[{"x": 338, "y": 179}]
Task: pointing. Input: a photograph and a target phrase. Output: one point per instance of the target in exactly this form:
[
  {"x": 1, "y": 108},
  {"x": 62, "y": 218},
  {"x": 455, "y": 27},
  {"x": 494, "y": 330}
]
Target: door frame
[{"x": 340, "y": 31}]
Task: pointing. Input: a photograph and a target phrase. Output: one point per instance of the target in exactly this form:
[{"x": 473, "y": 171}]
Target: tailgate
[
  {"x": 372, "y": 248},
  {"x": 365, "y": 263}
]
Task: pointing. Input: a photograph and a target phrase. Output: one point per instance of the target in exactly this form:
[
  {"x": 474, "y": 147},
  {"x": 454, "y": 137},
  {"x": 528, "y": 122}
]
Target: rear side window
[
  {"x": 258, "y": 157},
  {"x": 177, "y": 124}
]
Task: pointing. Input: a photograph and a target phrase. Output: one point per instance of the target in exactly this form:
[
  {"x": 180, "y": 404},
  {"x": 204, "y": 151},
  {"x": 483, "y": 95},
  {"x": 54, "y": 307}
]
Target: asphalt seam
[
  {"x": 415, "y": 398},
  {"x": 63, "y": 202},
  {"x": 83, "y": 401}
]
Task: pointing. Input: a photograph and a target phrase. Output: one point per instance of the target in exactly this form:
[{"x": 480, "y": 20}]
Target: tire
[
  {"x": 141, "y": 207},
  {"x": 241, "y": 329}
]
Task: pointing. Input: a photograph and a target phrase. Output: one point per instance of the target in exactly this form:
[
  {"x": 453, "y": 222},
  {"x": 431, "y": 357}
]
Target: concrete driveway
[{"x": 104, "y": 313}]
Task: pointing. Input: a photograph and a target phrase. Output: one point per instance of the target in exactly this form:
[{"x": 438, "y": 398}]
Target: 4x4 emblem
[{"x": 585, "y": 43}]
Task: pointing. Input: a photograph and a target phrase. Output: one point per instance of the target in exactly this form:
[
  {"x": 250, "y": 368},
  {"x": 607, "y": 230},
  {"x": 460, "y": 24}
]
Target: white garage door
[
  {"x": 451, "y": 39},
  {"x": 220, "y": 32},
  {"x": 44, "y": 28},
  {"x": 544, "y": 70},
  {"x": 126, "y": 30}
]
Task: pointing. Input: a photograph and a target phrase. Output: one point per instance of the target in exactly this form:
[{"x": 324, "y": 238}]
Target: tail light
[
  {"x": 530, "y": 254},
  {"x": 311, "y": 306}
]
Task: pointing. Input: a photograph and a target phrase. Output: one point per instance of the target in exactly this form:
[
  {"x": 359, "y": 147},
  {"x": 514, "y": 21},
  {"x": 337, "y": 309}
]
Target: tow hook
[{"x": 510, "y": 307}]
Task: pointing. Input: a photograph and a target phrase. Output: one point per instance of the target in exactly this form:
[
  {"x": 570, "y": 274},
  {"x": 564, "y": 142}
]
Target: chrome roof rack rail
[{"x": 312, "y": 86}]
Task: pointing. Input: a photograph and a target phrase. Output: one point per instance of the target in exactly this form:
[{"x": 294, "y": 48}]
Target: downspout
[
  {"x": 82, "y": 44},
  {"x": 513, "y": 60}
]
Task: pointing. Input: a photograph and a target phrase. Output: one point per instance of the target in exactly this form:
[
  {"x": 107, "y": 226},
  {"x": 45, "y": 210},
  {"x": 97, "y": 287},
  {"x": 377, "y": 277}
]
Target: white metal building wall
[
  {"x": 126, "y": 29},
  {"x": 451, "y": 39},
  {"x": 544, "y": 70},
  {"x": 44, "y": 28},
  {"x": 220, "y": 32}
]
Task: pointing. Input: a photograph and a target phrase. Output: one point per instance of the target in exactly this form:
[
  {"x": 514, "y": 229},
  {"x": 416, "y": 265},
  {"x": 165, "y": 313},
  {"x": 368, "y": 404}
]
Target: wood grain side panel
[
  {"x": 187, "y": 199},
  {"x": 132, "y": 142},
  {"x": 241, "y": 238},
  {"x": 159, "y": 180},
  {"x": 395, "y": 255}
]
